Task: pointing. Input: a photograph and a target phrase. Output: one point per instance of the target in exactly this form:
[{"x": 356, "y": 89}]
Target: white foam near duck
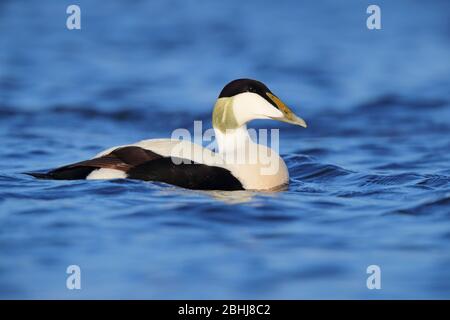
[{"x": 240, "y": 163}]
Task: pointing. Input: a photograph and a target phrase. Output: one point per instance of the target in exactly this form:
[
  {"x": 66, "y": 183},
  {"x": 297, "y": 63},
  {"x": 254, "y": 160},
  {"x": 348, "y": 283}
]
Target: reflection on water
[
  {"x": 231, "y": 197},
  {"x": 369, "y": 178},
  {"x": 235, "y": 197}
]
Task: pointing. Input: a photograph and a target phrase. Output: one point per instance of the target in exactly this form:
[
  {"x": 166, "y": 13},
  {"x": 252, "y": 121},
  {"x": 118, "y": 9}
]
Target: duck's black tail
[
  {"x": 64, "y": 173},
  {"x": 38, "y": 175}
]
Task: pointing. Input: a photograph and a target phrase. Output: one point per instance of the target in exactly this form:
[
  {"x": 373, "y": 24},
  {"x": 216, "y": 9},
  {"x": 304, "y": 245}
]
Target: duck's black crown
[{"x": 244, "y": 85}]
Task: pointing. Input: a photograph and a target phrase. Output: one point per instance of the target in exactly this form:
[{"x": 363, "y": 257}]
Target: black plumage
[{"x": 143, "y": 164}]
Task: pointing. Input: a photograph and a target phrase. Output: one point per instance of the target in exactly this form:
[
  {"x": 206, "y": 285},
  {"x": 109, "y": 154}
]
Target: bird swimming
[{"x": 239, "y": 164}]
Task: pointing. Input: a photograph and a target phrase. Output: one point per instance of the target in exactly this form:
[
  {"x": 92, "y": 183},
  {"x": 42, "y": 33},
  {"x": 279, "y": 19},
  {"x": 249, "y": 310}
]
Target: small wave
[
  {"x": 7, "y": 112},
  {"x": 439, "y": 205},
  {"x": 358, "y": 193},
  {"x": 389, "y": 180},
  {"x": 396, "y": 166},
  {"x": 392, "y": 100},
  {"x": 80, "y": 111},
  {"x": 305, "y": 168},
  {"x": 88, "y": 112},
  {"x": 435, "y": 181}
]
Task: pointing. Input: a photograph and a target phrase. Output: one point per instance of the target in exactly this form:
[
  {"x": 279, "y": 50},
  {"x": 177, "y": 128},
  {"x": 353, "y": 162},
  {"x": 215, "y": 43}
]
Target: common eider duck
[{"x": 239, "y": 164}]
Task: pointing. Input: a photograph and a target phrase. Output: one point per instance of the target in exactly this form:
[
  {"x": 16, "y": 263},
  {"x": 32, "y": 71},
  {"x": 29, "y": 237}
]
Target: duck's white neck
[{"x": 232, "y": 139}]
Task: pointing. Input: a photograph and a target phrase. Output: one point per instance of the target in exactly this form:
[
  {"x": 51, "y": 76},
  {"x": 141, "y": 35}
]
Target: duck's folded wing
[
  {"x": 188, "y": 175},
  {"x": 122, "y": 159}
]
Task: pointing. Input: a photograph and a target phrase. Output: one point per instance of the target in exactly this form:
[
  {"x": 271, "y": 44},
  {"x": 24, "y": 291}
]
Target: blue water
[{"x": 370, "y": 177}]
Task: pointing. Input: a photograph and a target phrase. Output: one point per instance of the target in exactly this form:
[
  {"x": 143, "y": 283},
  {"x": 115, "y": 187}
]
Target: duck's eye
[{"x": 251, "y": 89}]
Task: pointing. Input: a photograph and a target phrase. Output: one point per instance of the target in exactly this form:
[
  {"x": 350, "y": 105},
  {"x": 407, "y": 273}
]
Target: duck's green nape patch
[{"x": 223, "y": 116}]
